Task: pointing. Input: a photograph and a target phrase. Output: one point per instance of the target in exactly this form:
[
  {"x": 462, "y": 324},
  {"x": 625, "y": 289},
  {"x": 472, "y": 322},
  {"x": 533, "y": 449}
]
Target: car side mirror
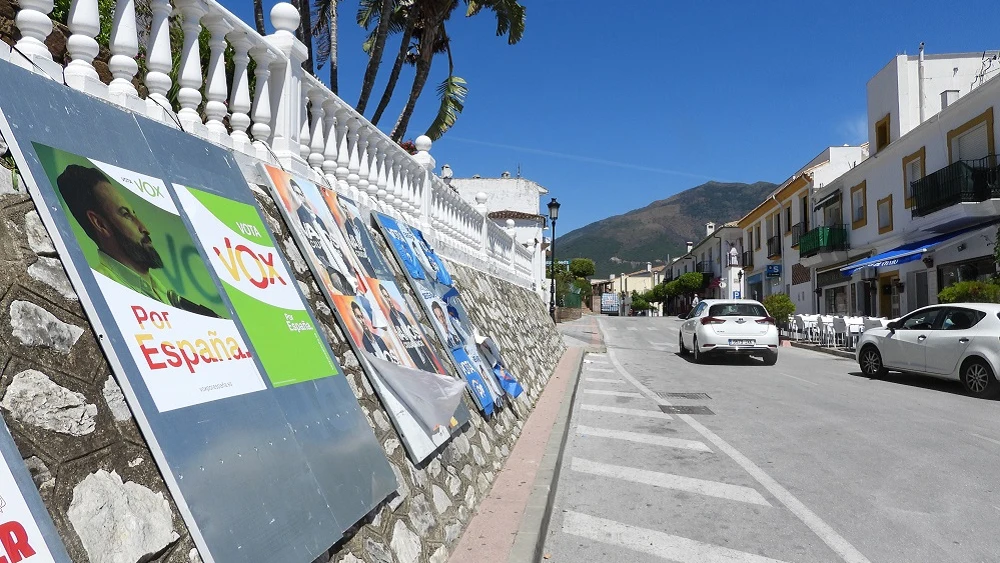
[
  {"x": 892, "y": 326},
  {"x": 682, "y": 316}
]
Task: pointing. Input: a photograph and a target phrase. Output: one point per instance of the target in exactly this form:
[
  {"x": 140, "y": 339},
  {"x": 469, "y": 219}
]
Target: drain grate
[
  {"x": 687, "y": 395},
  {"x": 673, "y": 409}
]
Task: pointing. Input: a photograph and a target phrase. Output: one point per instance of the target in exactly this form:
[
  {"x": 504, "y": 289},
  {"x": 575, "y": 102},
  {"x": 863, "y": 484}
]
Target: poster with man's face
[{"x": 154, "y": 281}]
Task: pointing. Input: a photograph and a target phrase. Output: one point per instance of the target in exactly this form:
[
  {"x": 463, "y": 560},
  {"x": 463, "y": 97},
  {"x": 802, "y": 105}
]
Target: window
[
  {"x": 749, "y": 239},
  {"x": 884, "y": 207},
  {"x": 804, "y": 213},
  {"x": 756, "y": 237},
  {"x": 737, "y": 310},
  {"x": 859, "y": 206},
  {"x": 788, "y": 220},
  {"x": 914, "y": 168},
  {"x": 882, "y": 133},
  {"x": 921, "y": 320},
  {"x": 961, "y": 319},
  {"x": 973, "y": 140}
]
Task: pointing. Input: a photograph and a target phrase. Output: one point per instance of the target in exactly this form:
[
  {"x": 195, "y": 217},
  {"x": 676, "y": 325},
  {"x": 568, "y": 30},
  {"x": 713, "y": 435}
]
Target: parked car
[
  {"x": 718, "y": 326},
  {"x": 960, "y": 341}
]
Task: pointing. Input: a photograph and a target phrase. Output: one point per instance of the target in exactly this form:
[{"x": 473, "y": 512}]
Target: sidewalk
[{"x": 509, "y": 524}]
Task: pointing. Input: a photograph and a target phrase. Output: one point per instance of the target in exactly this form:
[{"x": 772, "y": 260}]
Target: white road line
[
  {"x": 629, "y": 412},
  {"x": 633, "y": 328},
  {"x": 668, "y": 481},
  {"x": 830, "y": 537},
  {"x": 599, "y": 380},
  {"x": 661, "y": 343},
  {"x": 652, "y": 542},
  {"x": 613, "y": 393},
  {"x": 997, "y": 442},
  {"x": 598, "y": 362},
  {"x": 799, "y": 378},
  {"x": 650, "y": 328},
  {"x": 641, "y": 438},
  {"x": 602, "y": 370}
]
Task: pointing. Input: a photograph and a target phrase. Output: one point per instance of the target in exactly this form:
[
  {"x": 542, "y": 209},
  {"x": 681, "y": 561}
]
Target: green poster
[{"x": 260, "y": 287}]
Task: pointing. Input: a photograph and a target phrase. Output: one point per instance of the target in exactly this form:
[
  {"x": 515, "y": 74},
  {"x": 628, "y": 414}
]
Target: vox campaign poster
[
  {"x": 259, "y": 286},
  {"x": 153, "y": 281},
  {"x": 456, "y": 337},
  {"x": 360, "y": 304}
]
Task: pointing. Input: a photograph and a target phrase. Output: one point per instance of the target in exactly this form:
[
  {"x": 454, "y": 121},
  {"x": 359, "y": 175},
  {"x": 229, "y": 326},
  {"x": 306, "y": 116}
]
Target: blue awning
[{"x": 903, "y": 254}]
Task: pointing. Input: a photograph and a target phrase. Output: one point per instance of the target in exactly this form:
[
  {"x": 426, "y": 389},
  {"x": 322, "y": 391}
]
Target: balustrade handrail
[
  {"x": 290, "y": 118},
  {"x": 774, "y": 246}
]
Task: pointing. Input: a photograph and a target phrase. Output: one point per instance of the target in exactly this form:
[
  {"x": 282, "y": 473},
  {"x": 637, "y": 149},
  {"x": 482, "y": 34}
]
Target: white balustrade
[{"x": 288, "y": 116}]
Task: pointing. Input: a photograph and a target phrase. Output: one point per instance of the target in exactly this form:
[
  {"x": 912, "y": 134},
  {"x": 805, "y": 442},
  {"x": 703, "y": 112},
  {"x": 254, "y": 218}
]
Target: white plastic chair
[{"x": 840, "y": 330}]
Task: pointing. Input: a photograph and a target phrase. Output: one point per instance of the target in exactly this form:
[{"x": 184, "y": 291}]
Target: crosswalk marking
[
  {"x": 599, "y": 380},
  {"x": 659, "y": 544},
  {"x": 660, "y": 343},
  {"x": 641, "y": 438},
  {"x": 629, "y": 412},
  {"x": 612, "y": 393},
  {"x": 650, "y": 328},
  {"x": 602, "y": 370},
  {"x": 669, "y": 481},
  {"x": 633, "y": 328}
]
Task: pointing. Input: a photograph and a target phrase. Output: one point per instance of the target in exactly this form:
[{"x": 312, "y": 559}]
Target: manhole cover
[
  {"x": 673, "y": 409},
  {"x": 687, "y": 395}
]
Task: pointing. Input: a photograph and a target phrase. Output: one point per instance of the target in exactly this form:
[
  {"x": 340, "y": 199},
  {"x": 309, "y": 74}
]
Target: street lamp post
[{"x": 553, "y": 215}]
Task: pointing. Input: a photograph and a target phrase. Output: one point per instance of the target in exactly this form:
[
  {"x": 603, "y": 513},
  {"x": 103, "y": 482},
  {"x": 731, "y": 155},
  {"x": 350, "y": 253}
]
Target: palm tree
[
  {"x": 388, "y": 15},
  {"x": 258, "y": 16},
  {"x": 401, "y": 57},
  {"x": 305, "y": 32},
  {"x": 429, "y": 17},
  {"x": 325, "y": 30}
]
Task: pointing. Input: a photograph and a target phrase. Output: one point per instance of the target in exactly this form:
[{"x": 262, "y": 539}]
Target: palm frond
[
  {"x": 452, "y": 93},
  {"x": 510, "y": 15}
]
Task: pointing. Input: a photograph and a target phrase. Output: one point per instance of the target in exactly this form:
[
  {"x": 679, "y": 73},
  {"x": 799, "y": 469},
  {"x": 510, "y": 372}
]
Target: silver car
[{"x": 721, "y": 326}]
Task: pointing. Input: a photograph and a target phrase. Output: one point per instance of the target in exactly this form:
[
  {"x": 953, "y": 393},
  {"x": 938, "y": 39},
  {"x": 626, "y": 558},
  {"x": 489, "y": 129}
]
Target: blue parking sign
[{"x": 737, "y": 295}]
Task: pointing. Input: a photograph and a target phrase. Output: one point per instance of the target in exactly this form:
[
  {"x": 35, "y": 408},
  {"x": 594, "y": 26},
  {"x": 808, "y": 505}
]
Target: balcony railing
[
  {"x": 798, "y": 230},
  {"x": 748, "y": 258},
  {"x": 774, "y": 246},
  {"x": 964, "y": 181},
  {"x": 823, "y": 239},
  {"x": 703, "y": 266}
]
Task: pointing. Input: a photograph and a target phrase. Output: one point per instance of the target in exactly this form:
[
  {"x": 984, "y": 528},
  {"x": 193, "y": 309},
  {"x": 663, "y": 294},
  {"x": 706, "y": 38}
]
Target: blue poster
[
  {"x": 404, "y": 249},
  {"x": 476, "y": 382}
]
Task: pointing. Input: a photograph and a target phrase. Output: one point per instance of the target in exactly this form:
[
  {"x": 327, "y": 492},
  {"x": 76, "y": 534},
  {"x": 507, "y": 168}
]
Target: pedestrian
[{"x": 695, "y": 301}]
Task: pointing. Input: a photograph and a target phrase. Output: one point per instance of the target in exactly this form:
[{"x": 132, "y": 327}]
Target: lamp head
[{"x": 554, "y": 209}]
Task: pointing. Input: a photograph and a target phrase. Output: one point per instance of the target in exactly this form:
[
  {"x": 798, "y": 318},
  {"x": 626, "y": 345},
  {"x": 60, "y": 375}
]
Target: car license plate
[{"x": 741, "y": 342}]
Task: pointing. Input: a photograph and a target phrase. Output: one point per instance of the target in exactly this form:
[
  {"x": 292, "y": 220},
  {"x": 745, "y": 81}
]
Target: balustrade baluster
[
  {"x": 344, "y": 151},
  {"x": 330, "y": 123},
  {"x": 215, "y": 90},
  {"x": 316, "y": 143},
  {"x": 35, "y": 26},
  {"x": 159, "y": 63},
  {"x": 363, "y": 156},
  {"x": 376, "y": 179},
  {"x": 304, "y": 132},
  {"x": 354, "y": 162},
  {"x": 189, "y": 80},
  {"x": 85, "y": 23},
  {"x": 239, "y": 99},
  {"x": 261, "y": 128},
  {"x": 124, "y": 47}
]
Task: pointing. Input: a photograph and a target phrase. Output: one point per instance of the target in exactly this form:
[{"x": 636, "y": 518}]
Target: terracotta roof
[{"x": 509, "y": 214}]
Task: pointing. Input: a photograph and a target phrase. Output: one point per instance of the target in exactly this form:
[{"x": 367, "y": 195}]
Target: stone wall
[{"x": 96, "y": 474}]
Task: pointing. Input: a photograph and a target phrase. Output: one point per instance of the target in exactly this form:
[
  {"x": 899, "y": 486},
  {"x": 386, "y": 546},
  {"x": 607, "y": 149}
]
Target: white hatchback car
[
  {"x": 719, "y": 326},
  {"x": 960, "y": 341}
]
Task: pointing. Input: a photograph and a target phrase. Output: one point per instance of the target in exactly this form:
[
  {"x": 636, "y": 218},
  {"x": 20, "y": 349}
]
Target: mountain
[{"x": 624, "y": 243}]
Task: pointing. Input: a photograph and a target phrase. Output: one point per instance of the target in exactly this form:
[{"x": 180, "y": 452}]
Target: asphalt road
[{"x": 805, "y": 461}]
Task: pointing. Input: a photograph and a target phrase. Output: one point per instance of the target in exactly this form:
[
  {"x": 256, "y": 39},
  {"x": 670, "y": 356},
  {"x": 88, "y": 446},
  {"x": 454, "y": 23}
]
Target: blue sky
[{"x": 612, "y": 108}]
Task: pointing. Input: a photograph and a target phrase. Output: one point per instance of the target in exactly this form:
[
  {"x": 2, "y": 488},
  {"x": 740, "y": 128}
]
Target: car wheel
[
  {"x": 978, "y": 379},
  {"x": 680, "y": 344},
  {"x": 871, "y": 362},
  {"x": 770, "y": 358},
  {"x": 698, "y": 356}
]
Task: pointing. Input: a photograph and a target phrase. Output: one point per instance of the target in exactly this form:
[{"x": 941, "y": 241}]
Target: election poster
[
  {"x": 26, "y": 530},
  {"x": 259, "y": 286},
  {"x": 370, "y": 310},
  {"x": 246, "y": 458},
  {"x": 431, "y": 279},
  {"x": 154, "y": 281}
]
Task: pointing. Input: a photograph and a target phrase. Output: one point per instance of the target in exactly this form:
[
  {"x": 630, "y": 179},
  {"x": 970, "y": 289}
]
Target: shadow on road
[
  {"x": 920, "y": 381},
  {"x": 725, "y": 360}
]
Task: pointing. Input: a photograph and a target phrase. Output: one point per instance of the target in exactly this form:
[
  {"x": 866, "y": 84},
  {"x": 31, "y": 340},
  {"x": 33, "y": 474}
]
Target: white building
[
  {"x": 917, "y": 215},
  {"x": 717, "y": 258},
  {"x": 774, "y": 261},
  {"x": 513, "y": 203}
]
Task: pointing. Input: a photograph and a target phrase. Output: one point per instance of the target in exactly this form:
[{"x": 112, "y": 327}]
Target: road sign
[{"x": 737, "y": 295}]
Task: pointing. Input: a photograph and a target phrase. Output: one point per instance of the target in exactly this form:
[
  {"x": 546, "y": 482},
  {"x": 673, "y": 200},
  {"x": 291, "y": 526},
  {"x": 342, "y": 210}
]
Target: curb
[
  {"x": 821, "y": 349},
  {"x": 538, "y": 514}
]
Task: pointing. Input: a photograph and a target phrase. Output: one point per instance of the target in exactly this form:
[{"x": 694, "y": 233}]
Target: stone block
[{"x": 33, "y": 398}]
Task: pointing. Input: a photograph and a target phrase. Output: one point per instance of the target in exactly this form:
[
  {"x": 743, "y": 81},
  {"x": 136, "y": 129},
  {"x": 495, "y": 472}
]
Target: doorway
[{"x": 888, "y": 294}]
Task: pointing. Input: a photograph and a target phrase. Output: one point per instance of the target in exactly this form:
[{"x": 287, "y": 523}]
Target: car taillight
[
  {"x": 766, "y": 321},
  {"x": 712, "y": 321}
]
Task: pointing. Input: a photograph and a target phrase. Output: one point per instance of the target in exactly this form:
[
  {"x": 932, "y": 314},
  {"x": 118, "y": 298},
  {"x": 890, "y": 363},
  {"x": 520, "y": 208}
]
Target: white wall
[{"x": 515, "y": 194}]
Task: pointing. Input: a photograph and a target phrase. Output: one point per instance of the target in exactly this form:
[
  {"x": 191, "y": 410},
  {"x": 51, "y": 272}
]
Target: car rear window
[{"x": 737, "y": 310}]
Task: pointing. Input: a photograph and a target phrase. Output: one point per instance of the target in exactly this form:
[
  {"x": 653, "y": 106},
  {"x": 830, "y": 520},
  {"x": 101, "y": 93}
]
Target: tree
[
  {"x": 305, "y": 32},
  {"x": 387, "y": 17},
  {"x": 429, "y": 17},
  {"x": 780, "y": 307},
  {"x": 970, "y": 292},
  {"x": 582, "y": 267},
  {"x": 258, "y": 16},
  {"x": 639, "y": 302},
  {"x": 690, "y": 283},
  {"x": 325, "y": 30}
]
